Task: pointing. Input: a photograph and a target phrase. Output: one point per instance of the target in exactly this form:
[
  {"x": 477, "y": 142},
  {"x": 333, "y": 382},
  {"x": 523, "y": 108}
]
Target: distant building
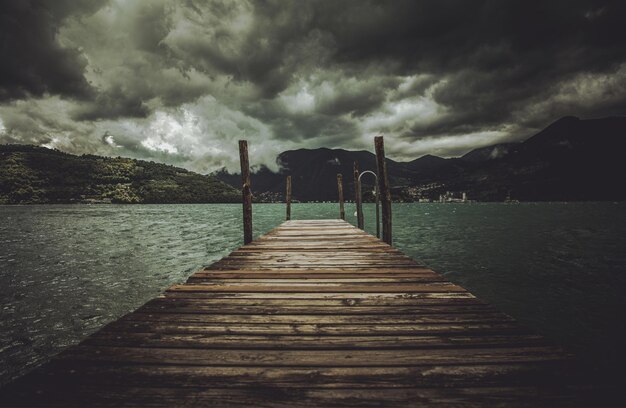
[{"x": 451, "y": 197}]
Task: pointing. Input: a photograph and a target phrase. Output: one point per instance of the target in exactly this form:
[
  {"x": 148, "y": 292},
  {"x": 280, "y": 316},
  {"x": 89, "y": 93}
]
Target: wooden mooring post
[
  {"x": 377, "y": 192},
  {"x": 342, "y": 212},
  {"x": 288, "y": 198},
  {"x": 357, "y": 198},
  {"x": 246, "y": 191},
  {"x": 383, "y": 188}
]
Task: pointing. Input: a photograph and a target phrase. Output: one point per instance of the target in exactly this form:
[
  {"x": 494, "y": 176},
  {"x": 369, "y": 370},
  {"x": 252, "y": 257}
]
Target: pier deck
[{"x": 315, "y": 312}]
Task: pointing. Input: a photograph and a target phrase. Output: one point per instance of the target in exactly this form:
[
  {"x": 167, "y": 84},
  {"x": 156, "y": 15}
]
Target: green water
[{"x": 65, "y": 271}]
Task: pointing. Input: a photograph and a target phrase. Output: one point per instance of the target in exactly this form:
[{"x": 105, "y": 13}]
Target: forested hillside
[{"x": 31, "y": 175}]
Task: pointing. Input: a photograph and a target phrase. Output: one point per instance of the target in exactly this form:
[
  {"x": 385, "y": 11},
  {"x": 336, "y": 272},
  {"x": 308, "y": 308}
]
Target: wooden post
[
  {"x": 288, "y": 198},
  {"x": 377, "y": 192},
  {"x": 342, "y": 212},
  {"x": 357, "y": 198},
  {"x": 246, "y": 191},
  {"x": 383, "y": 187}
]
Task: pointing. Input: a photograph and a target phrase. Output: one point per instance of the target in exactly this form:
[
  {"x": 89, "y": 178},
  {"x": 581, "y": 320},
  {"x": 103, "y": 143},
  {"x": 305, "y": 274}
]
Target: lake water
[{"x": 65, "y": 271}]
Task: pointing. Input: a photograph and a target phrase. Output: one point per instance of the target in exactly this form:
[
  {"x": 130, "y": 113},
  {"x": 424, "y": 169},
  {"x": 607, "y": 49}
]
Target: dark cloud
[
  {"x": 33, "y": 61},
  {"x": 316, "y": 127},
  {"x": 494, "y": 55},
  {"x": 434, "y": 76},
  {"x": 111, "y": 104}
]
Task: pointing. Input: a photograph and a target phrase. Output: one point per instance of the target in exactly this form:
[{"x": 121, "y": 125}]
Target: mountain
[
  {"x": 31, "y": 174},
  {"x": 570, "y": 160},
  {"x": 314, "y": 174}
]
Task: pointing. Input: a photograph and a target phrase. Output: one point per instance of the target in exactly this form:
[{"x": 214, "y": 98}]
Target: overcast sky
[{"x": 181, "y": 81}]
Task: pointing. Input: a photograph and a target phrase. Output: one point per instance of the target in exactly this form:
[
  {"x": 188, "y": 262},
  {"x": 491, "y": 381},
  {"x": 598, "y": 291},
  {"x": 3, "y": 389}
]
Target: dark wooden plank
[
  {"x": 341, "y": 236},
  {"x": 297, "y": 276},
  {"x": 350, "y": 297},
  {"x": 277, "y": 266},
  {"x": 157, "y": 326},
  {"x": 312, "y": 247},
  {"x": 333, "y": 288},
  {"x": 252, "y": 279},
  {"x": 258, "y": 342},
  {"x": 268, "y": 395},
  {"x": 206, "y": 318},
  {"x": 482, "y": 375},
  {"x": 337, "y": 299},
  {"x": 313, "y": 358},
  {"x": 382, "y": 271},
  {"x": 386, "y": 255},
  {"x": 202, "y": 306}
]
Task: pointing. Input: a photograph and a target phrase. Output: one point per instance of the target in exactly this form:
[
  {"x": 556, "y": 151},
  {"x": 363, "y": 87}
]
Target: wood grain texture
[
  {"x": 314, "y": 313},
  {"x": 383, "y": 188},
  {"x": 246, "y": 191},
  {"x": 357, "y": 196},
  {"x": 288, "y": 198},
  {"x": 342, "y": 212}
]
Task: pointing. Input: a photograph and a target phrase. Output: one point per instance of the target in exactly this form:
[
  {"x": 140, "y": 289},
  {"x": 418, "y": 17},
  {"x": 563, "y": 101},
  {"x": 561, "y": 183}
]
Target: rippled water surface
[{"x": 65, "y": 271}]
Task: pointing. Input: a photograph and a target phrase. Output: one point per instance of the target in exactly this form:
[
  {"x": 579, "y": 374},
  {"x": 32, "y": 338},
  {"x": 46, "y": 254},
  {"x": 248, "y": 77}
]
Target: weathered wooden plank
[
  {"x": 384, "y": 254},
  {"x": 202, "y": 340},
  {"x": 378, "y": 283},
  {"x": 318, "y": 319},
  {"x": 330, "y": 243},
  {"x": 308, "y": 255},
  {"x": 309, "y": 377},
  {"x": 291, "y": 280},
  {"x": 378, "y": 297},
  {"x": 312, "y": 247},
  {"x": 334, "y": 288},
  {"x": 336, "y": 234},
  {"x": 312, "y": 358},
  {"x": 308, "y": 259},
  {"x": 345, "y": 299},
  {"x": 268, "y": 395},
  {"x": 314, "y": 271},
  {"x": 331, "y": 233},
  {"x": 358, "y": 258},
  {"x": 332, "y": 275},
  {"x": 277, "y": 266},
  {"x": 156, "y": 326},
  {"x": 202, "y": 306}
]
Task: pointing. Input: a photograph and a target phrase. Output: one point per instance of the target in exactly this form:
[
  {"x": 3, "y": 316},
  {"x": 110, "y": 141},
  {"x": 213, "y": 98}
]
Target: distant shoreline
[{"x": 309, "y": 202}]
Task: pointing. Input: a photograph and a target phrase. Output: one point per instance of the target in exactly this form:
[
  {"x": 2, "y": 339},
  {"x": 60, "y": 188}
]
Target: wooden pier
[{"x": 316, "y": 313}]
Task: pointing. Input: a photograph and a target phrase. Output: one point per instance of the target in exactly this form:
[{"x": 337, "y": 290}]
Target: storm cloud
[{"x": 181, "y": 81}]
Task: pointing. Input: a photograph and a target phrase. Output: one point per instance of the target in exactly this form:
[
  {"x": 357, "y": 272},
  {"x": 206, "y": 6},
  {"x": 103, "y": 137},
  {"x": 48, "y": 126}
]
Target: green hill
[{"x": 33, "y": 175}]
